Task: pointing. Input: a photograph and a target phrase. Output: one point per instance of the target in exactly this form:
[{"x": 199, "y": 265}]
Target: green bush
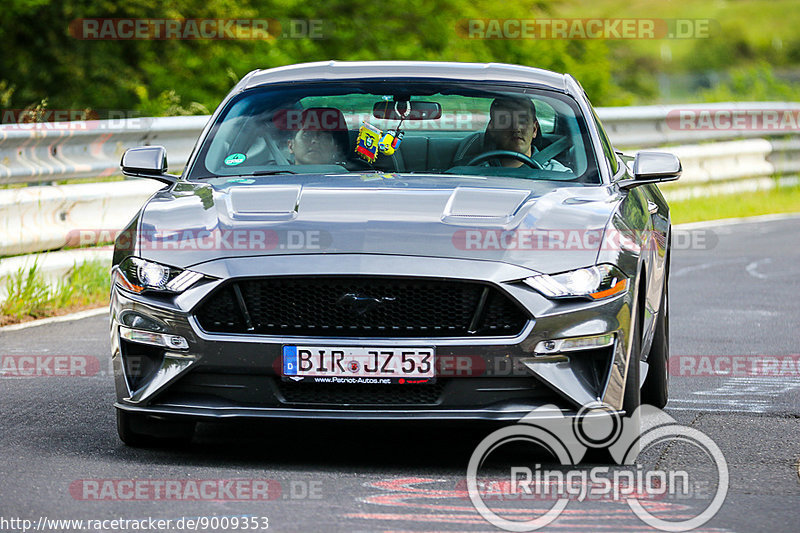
[
  {"x": 753, "y": 84},
  {"x": 27, "y": 294}
]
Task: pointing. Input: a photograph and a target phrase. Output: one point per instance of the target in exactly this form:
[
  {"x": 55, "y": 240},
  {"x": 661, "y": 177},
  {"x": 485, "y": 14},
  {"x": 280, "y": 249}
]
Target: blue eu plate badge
[{"x": 290, "y": 360}]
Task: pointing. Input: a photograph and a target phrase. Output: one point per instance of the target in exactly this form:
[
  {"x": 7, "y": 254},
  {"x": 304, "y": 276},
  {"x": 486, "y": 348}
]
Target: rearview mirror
[
  {"x": 147, "y": 162},
  {"x": 407, "y": 110},
  {"x": 653, "y": 167}
]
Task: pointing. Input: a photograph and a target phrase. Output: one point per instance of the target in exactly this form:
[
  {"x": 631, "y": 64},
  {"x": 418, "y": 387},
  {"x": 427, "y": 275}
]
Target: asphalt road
[{"x": 735, "y": 305}]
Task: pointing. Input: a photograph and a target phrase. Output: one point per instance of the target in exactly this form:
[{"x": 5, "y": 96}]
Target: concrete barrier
[
  {"x": 42, "y": 218},
  {"x": 723, "y": 161}
]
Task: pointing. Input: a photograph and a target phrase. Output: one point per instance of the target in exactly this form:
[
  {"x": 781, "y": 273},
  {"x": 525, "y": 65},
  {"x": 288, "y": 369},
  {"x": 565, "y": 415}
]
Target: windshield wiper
[
  {"x": 270, "y": 172},
  {"x": 257, "y": 173}
]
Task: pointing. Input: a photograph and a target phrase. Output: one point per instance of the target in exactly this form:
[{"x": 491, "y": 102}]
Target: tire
[
  {"x": 655, "y": 390},
  {"x": 633, "y": 394},
  {"x": 140, "y": 431}
]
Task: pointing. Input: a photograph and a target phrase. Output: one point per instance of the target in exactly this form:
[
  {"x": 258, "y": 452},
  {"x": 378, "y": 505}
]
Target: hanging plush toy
[
  {"x": 372, "y": 140},
  {"x": 367, "y": 142},
  {"x": 390, "y": 142}
]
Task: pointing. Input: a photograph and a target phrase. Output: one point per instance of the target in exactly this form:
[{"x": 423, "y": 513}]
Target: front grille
[
  {"x": 344, "y": 394},
  {"x": 337, "y": 306}
]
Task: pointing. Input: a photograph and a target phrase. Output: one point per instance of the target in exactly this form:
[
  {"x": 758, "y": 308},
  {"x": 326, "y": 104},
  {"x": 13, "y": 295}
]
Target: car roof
[{"x": 347, "y": 70}]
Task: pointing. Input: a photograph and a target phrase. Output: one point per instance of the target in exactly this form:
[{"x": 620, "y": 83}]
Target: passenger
[{"x": 321, "y": 138}]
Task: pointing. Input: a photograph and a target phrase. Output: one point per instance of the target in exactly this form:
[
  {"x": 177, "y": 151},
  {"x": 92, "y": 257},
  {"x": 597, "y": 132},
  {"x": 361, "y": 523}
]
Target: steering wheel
[{"x": 505, "y": 153}]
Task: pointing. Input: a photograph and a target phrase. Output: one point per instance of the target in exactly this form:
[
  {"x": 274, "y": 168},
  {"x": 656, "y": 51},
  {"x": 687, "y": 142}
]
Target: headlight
[
  {"x": 138, "y": 275},
  {"x": 596, "y": 282}
]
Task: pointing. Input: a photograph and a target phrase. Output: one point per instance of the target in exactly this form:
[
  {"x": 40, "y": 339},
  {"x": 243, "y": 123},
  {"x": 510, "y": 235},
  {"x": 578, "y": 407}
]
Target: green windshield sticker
[{"x": 235, "y": 159}]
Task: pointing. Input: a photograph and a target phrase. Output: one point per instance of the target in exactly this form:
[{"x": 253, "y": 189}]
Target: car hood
[{"x": 544, "y": 226}]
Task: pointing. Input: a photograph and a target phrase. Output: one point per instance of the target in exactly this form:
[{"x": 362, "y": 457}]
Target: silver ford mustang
[{"x": 392, "y": 240}]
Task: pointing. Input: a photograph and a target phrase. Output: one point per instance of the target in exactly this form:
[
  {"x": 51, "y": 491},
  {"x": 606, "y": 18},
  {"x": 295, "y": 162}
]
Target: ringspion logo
[{"x": 596, "y": 426}]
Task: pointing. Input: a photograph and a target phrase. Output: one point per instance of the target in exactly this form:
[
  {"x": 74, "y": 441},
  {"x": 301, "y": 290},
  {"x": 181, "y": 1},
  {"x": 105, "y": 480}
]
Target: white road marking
[
  {"x": 752, "y": 268},
  {"x": 703, "y": 266},
  {"x": 753, "y": 313},
  {"x": 739, "y": 394}
]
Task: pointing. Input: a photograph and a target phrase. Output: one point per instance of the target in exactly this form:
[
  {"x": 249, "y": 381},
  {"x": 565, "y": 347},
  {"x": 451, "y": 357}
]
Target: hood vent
[
  {"x": 264, "y": 203},
  {"x": 476, "y": 206}
]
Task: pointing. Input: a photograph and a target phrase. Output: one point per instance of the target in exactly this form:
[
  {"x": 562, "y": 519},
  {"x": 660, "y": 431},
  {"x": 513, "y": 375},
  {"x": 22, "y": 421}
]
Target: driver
[{"x": 513, "y": 126}]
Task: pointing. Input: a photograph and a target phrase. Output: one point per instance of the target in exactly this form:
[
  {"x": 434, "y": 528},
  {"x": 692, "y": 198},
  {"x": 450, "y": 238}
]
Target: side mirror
[
  {"x": 653, "y": 167},
  {"x": 147, "y": 162}
]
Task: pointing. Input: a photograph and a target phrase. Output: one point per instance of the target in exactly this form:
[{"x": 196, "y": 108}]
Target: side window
[
  {"x": 607, "y": 149},
  {"x": 546, "y": 116}
]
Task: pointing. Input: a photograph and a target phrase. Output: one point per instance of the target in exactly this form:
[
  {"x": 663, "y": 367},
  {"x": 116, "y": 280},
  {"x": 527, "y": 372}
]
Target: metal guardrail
[
  {"x": 648, "y": 126},
  {"x": 46, "y": 152},
  {"x": 50, "y": 151}
]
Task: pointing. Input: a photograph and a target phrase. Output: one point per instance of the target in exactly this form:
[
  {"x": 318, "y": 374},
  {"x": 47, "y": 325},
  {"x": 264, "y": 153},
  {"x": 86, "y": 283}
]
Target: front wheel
[{"x": 141, "y": 431}]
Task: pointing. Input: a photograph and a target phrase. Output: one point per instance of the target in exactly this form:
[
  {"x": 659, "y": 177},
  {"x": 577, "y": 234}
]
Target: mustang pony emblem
[{"x": 362, "y": 304}]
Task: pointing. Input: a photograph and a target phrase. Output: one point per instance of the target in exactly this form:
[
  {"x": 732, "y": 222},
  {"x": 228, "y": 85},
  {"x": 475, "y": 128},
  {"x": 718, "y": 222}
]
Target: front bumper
[{"x": 487, "y": 378}]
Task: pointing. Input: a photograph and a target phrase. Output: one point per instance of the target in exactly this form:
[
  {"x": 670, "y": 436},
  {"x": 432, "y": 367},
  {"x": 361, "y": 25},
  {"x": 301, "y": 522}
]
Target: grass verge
[
  {"x": 30, "y": 297},
  {"x": 768, "y": 202}
]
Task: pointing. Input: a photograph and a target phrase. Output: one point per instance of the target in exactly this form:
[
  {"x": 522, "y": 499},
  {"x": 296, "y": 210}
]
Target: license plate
[{"x": 332, "y": 364}]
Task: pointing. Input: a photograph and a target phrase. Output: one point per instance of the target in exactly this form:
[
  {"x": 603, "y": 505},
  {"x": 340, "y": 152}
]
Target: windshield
[{"x": 454, "y": 128}]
